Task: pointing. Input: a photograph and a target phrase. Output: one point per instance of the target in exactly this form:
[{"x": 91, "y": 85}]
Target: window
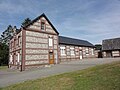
[
  {"x": 18, "y": 56},
  {"x": 62, "y": 50},
  {"x": 87, "y": 50},
  {"x": 92, "y": 51},
  {"x": 11, "y": 57},
  {"x": 18, "y": 40},
  {"x": 14, "y": 42},
  {"x": 42, "y": 26},
  {"x": 50, "y": 42},
  {"x": 72, "y": 51}
]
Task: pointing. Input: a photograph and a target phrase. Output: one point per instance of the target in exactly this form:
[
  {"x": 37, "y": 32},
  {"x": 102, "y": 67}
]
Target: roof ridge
[
  {"x": 73, "y": 41},
  {"x": 112, "y": 38}
]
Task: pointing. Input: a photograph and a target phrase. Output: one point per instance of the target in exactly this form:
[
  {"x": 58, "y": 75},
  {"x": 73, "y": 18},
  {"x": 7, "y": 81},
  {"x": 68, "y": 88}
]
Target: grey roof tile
[
  {"x": 72, "y": 41},
  {"x": 111, "y": 44}
]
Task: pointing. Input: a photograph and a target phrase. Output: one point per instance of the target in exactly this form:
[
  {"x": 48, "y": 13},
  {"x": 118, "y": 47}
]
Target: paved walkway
[{"x": 11, "y": 77}]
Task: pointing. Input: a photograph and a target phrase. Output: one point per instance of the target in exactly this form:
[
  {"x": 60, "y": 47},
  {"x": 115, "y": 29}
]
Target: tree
[
  {"x": 99, "y": 50},
  {"x": 7, "y": 34},
  {"x": 4, "y": 45},
  {"x": 4, "y": 41},
  {"x": 98, "y": 47},
  {"x": 4, "y": 53},
  {"x": 26, "y": 22}
]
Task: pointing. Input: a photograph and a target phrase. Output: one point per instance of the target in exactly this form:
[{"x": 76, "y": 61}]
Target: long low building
[
  {"x": 75, "y": 49},
  {"x": 39, "y": 43},
  {"x": 111, "y": 47}
]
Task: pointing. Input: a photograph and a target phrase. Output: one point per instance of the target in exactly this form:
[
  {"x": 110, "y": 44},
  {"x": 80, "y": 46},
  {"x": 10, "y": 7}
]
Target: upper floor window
[
  {"x": 42, "y": 26},
  {"x": 18, "y": 40},
  {"x": 50, "y": 41}
]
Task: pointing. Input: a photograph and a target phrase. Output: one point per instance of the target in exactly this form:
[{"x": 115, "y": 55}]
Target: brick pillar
[{"x": 23, "y": 49}]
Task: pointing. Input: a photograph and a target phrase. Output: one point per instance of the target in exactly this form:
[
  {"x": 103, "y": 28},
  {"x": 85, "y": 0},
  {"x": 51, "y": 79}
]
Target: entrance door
[
  {"x": 51, "y": 58},
  {"x": 81, "y": 57}
]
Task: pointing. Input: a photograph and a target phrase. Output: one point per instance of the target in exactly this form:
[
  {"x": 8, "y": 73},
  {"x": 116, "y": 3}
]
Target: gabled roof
[
  {"x": 42, "y": 15},
  {"x": 72, "y": 41},
  {"x": 111, "y": 44}
]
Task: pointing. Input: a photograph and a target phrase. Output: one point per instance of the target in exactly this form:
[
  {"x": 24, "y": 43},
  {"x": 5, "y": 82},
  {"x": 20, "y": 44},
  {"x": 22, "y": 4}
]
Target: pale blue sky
[{"x": 92, "y": 20}]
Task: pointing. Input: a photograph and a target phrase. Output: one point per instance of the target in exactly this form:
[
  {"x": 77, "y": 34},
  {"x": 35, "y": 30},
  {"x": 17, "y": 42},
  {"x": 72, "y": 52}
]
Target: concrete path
[{"x": 12, "y": 77}]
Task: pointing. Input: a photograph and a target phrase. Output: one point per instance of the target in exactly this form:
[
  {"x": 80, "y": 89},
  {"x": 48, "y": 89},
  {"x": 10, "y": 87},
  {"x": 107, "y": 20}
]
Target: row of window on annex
[{"x": 72, "y": 51}]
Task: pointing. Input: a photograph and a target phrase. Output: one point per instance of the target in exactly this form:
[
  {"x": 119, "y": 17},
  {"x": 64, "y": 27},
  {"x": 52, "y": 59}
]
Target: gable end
[{"x": 43, "y": 15}]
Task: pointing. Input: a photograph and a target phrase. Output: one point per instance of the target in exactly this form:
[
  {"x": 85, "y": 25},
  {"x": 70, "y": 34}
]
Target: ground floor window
[
  {"x": 72, "y": 51},
  {"x": 92, "y": 51},
  {"x": 62, "y": 50},
  {"x": 87, "y": 51},
  {"x": 18, "y": 57},
  {"x": 11, "y": 58}
]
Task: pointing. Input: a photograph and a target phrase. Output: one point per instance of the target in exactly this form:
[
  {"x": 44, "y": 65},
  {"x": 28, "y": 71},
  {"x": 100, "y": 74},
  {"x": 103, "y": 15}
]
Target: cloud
[
  {"x": 95, "y": 26},
  {"x": 93, "y": 20}
]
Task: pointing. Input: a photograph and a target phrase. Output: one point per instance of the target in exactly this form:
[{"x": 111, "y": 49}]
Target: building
[
  {"x": 39, "y": 43},
  {"x": 75, "y": 49},
  {"x": 111, "y": 47}
]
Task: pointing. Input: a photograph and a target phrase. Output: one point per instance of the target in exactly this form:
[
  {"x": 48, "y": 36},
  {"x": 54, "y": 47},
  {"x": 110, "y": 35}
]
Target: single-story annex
[{"x": 39, "y": 43}]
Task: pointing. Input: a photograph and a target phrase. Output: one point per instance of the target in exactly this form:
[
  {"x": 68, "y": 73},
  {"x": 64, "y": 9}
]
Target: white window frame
[
  {"x": 51, "y": 42},
  {"x": 11, "y": 58},
  {"x": 62, "y": 51},
  {"x": 72, "y": 51},
  {"x": 92, "y": 51}
]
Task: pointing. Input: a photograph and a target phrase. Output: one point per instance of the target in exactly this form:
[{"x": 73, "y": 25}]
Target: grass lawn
[
  {"x": 3, "y": 67},
  {"x": 102, "y": 77}
]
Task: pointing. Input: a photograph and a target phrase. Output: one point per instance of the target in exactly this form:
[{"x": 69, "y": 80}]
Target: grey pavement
[{"x": 9, "y": 77}]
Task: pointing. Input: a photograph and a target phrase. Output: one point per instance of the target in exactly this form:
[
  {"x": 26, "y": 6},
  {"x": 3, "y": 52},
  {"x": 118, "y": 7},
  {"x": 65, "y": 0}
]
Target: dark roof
[
  {"x": 72, "y": 41},
  {"x": 111, "y": 44},
  {"x": 42, "y": 15}
]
